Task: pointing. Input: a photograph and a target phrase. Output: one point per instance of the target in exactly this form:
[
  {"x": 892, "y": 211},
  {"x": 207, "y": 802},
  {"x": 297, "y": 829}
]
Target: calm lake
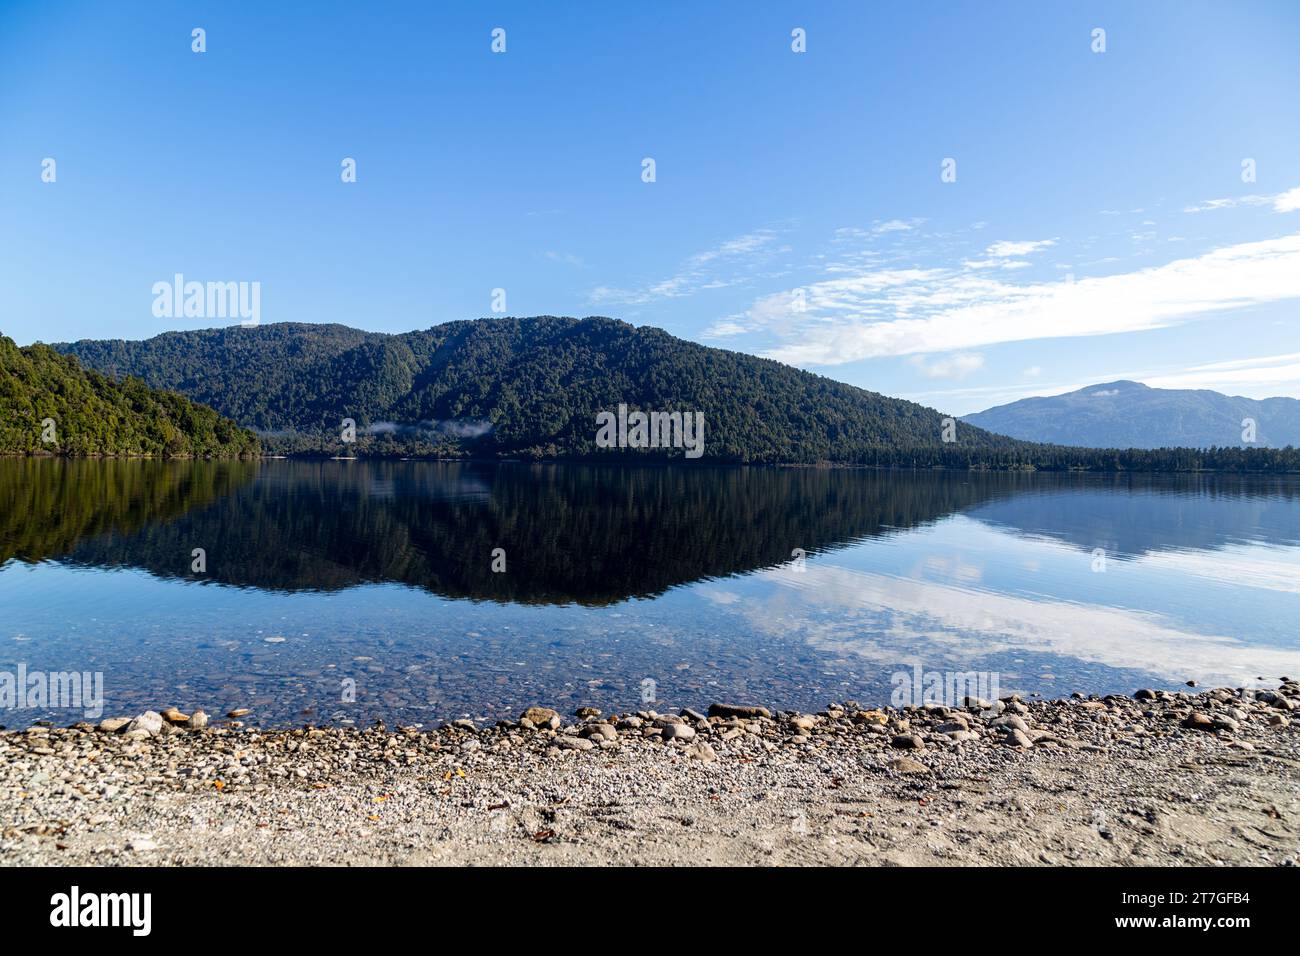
[{"x": 349, "y": 591}]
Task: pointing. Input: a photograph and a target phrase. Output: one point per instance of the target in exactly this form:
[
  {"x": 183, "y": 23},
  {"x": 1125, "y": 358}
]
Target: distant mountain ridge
[
  {"x": 1126, "y": 414},
  {"x": 525, "y": 387}
]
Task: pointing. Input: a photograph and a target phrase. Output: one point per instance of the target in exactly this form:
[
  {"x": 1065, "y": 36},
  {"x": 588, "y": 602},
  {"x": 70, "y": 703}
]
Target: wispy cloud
[
  {"x": 567, "y": 258},
  {"x": 904, "y": 311},
  {"x": 956, "y": 366},
  {"x": 1255, "y": 377},
  {"x": 732, "y": 325},
  {"x": 726, "y": 264},
  {"x": 895, "y": 225},
  {"x": 1288, "y": 201},
  {"x": 1014, "y": 250}
]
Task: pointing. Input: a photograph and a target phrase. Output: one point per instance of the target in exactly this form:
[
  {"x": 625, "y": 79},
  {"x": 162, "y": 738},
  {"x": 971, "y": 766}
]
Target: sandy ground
[{"x": 1120, "y": 781}]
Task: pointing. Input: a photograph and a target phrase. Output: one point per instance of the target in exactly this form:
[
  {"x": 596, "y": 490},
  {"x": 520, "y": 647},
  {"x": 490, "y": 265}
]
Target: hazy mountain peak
[{"x": 1126, "y": 414}]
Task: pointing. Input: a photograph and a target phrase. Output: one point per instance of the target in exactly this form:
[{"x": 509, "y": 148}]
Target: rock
[
  {"x": 1277, "y": 720},
  {"x": 956, "y": 725},
  {"x": 238, "y": 712},
  {"x": 669, "y": 720},
  {"x": 602, "y": 731},
  {"x": 1145, "y": 693},
  {"x": 976, "y": 703},
  {"x": 584, "y": 713},
  {"x": 174, "y": 716},
  {"x": 1225, "y": 723},
  {"x": 630, "y": 723},
  {"x": 1016, "y": 738},
  {"x": 700, "y": 750},
  {"x": 150, "y": 723},
  {"x": 140, "y": 844},
  {"x": 908, "y": 742},
  {"x": 803, "y": 722},
  {"x": 694, "y": 715},
  {"x": 464, "y": 723},
  {"x": 738, "y": 710},
  {"x": 111, "y": 725},
  {"x": 907, "y": 765},
  {"x": 568, "y": 742},
  {"x": 678, "y": 732},
  {"x": 874, "y": 717},
  {"x": 198, "y": 720},
  {"x": 1009, "y": 720},
  {"x": 542, "y": 717},
  {"x": 1198, "y": 721}
]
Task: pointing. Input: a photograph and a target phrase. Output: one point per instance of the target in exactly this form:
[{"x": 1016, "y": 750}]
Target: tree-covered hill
[
  {"x": 515, "y": 387},
  {"x": 49, "y": 404},
  {"x": 532, "y": 388}
]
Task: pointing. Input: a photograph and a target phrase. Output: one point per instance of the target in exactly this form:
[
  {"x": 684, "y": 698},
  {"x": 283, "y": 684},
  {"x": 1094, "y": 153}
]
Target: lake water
[{"x": 326, "y": 581}]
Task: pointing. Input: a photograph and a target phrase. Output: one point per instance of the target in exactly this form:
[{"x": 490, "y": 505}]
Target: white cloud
[
  {"x": 892, "y": 312},
  {"x": 1212, "y": 204},
  {"x": 895, "y": 225},
  {"x": 1012, "y": 250},
  {"x": 996, "y": 263},
  {"x": 1288, "y": 201},
  {"x": 724, "y": 328},
  {"x": 956, "y": 366},
  {"x": 1262, "y": 377},
  {"x": 735, "y": 247},
  {"x": 567, "y": 258},
  {"x": 698, "y": 272}
]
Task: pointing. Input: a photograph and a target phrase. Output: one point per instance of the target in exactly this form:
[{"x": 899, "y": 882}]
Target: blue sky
[{"x": 1099, "y": 226}]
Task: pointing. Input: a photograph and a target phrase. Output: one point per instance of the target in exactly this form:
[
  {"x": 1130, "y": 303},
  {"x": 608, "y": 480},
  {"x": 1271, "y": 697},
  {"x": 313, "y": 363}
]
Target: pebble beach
[{"x": 1158, "y": 778}]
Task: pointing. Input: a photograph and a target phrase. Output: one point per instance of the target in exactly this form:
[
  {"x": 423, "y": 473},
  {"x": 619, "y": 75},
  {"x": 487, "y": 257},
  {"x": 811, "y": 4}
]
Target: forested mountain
[
  {"x": 49, "y": 404},
  {"x": 1132, "y": 415},
  {"x": 532, "y": 388},
  {"x": 518, "y": 387}
]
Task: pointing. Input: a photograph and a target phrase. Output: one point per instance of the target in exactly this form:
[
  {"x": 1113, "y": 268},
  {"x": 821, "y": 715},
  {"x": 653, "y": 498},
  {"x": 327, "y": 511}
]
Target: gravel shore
[{"x": 1158, "y": 778}]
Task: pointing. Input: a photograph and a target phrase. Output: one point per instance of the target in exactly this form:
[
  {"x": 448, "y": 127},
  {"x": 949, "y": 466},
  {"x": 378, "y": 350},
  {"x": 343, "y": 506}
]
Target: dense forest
[
  {"x": 532, "y": 388},
  {"x": 49, "y": 404},
  {"x": 517, "y": 387}
]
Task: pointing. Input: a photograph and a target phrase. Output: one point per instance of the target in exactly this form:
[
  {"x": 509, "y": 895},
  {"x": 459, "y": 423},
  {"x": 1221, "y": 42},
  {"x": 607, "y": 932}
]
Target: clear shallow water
[{"x": 381, "y": 574}]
